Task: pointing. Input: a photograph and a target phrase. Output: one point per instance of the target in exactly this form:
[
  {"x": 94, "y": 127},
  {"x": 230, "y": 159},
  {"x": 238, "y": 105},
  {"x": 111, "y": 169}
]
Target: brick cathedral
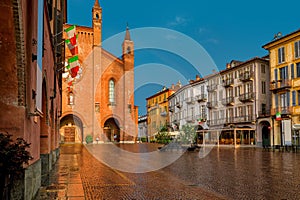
[{"x": 99, "y": 101}]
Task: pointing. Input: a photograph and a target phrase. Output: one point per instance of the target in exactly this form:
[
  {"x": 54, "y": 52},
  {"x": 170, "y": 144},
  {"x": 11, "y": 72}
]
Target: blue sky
[{"x": 227, "y": 30}]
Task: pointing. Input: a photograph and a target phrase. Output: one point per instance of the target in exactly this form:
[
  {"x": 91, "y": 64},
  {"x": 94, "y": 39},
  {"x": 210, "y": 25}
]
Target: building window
[
  {"x": 97, "y": 107},
  {"x": 263, "y": 87},
  {"x": 283, "y": 72},
  {"x": 292, "y": 71},
  {"x": 298, "y": 92},
  {"x": 294, "y": 98},
  {"x": 281, "y": 56},
  {"x": 297, "y": 49},
  {"x": 298, "y": 69},
  {"x": 263, "y": 69},
  {"x": 111, "y": 91}
]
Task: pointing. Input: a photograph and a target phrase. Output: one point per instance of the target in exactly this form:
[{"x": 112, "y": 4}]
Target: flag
[
  {"x": 74, "y": 66},
  {"x": 73, "y": 48},
  {"x": 74, "y": 71},
  {"x": 71, "y": 31}
]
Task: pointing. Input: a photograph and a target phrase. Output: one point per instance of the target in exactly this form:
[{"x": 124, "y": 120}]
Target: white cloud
[
  {"x": 178, "y": 21},
  {"x": 212, "y": 40}
]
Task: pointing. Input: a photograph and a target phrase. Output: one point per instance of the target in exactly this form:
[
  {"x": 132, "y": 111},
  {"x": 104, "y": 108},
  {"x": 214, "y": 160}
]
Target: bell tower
[
  {"x": 97, "y": 23},
  {"x": 128, "y": 51}
]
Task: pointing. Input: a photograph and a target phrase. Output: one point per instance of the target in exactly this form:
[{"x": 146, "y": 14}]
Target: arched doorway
[
  {"x": 71, "y": 129},
  {"x": 265, "y": 135},
  {"x": 112, "y": 130}
]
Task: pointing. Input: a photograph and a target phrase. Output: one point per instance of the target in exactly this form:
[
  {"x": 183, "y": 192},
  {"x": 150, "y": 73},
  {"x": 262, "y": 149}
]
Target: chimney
[{"x": 197, "y": 77}]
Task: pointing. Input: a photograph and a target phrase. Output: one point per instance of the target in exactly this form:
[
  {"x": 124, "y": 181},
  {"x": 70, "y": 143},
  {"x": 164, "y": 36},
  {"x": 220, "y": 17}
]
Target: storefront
[{"x": 231, "y": 136}]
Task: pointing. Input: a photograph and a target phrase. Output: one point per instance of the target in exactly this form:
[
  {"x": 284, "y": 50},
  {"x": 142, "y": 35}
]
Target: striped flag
[
  {"x": 71, "y": 32},
  {"x": 73, "y": 48},
  {"x": 73, "y": 66}
]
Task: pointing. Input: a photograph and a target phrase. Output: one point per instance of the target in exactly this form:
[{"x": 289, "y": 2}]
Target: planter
[{"x": 5, "y": 186}]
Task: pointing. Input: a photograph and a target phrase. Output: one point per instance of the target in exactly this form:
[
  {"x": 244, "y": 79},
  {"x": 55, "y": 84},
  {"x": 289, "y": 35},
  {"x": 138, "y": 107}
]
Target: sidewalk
[{"x": 64, "y": 181}]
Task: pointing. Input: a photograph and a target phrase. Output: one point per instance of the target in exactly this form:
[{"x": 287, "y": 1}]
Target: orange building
[
  {"x": 100, "y": 101},
  {"x": 158, "y": 110},
  {"x": 30, "y": 97}
]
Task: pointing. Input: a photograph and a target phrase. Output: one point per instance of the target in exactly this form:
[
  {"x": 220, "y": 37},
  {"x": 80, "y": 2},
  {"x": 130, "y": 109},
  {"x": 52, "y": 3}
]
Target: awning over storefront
[{"x": 296, "y": 127}]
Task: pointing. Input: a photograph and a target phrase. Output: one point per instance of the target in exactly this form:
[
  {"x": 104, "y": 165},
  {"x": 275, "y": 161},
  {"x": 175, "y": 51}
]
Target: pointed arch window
[{"x": 111, "y": 91}]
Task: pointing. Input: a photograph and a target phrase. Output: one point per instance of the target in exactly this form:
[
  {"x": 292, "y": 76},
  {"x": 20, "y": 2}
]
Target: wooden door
[{"x": 70, "y": 134}]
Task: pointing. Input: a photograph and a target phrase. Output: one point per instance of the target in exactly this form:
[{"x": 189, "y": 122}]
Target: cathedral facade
[{"x": 98, "y": 102}]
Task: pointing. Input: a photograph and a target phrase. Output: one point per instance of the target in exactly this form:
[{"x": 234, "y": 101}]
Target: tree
[
  {"x": 188, "y": 134},
  {"x": 13, "y": 156},
  {"x": 163, "y": 136}
]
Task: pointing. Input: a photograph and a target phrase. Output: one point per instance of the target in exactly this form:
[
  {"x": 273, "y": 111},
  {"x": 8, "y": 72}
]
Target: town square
[{"x": 161, "y": 100}]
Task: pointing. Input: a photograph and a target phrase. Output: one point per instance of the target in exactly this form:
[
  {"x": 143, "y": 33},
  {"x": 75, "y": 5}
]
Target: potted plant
[
  {"x": 89, "y": 139},
  {"x": 13, "y": 157}
]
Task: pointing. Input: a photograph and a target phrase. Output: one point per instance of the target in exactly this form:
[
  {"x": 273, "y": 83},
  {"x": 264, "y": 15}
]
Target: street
[{"x": 224, "y": 173}]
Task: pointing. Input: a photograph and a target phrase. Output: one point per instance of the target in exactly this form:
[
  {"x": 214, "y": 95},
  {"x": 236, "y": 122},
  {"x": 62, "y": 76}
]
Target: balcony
[
  {"x": 212, "y": 104},
  {"x": 201, "y": 97},
  {"x": 229, "y": 101},
  {"x": 288, "y": 110},
  {"x": 175, "y": 121},
  {"x": 229, "y": 120},
  {"x": 214, "y": 122},
  {"x": 281, "y": 85},
  {"x": 228, "y": 82},
  {"x": 211, "y": 88},
  {"x": 264, "y": 113},
  {"x": 163, "y": 114},
  {"x": 244, "y": 119},
  {"x": 246, "y": 76},
  {"x": 190, "y": 100},
  {"x": 178, "y": 104},
  {"x": 247, "y": 97}
]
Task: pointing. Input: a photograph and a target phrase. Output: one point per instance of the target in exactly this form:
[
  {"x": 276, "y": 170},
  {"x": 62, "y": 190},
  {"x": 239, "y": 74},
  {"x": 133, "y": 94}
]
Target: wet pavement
[{"x": 224, "y": 173}]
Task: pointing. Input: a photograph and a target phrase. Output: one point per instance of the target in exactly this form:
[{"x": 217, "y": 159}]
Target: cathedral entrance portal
[
  {"x": 112, "y": 130},
  {"x": 71, "y": 129}
]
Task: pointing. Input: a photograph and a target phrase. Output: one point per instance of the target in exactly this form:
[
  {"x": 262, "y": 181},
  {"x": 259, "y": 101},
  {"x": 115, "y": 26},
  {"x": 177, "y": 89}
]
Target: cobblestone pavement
[{"x": 225, "y": 173}]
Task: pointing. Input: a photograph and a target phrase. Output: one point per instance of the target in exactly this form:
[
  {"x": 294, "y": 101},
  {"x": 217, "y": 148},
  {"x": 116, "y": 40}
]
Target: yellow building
[
  {"x": 157, "y": 111},
  {"x": 285, "y": 87}
]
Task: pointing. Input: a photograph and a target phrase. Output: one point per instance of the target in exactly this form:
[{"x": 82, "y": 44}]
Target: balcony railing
[
  {"x": 171, "y": 108},
  {"x": 247, "y": 97},
  {"x": 214, "y": 122},
  {"x": 228, "y": 82},
  {"x": 229, "y": 101},
  {"x": 264, "y": 113},
  {"x": 246, "y": 76},
  {"x": 163, "y": 114},
  {"x": 229, "y": 120},
  {"x": 212, "y": 104},
  {"x": 287, "y": 110},
  {"x": 178, "y": 104},
  {"x": 244, "y": 119},
  {"x": 190, "y": 100},
  {"x": 201, "y": 97},
  {"x": 211, "y": 88},
  {"x": 284, "y": 84}
]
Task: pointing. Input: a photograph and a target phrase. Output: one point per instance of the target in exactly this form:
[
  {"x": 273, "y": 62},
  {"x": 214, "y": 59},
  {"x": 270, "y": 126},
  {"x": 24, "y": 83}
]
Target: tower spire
[
  {"x": 96, "y": 4},
  {"x": 127, "y": 35}
]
